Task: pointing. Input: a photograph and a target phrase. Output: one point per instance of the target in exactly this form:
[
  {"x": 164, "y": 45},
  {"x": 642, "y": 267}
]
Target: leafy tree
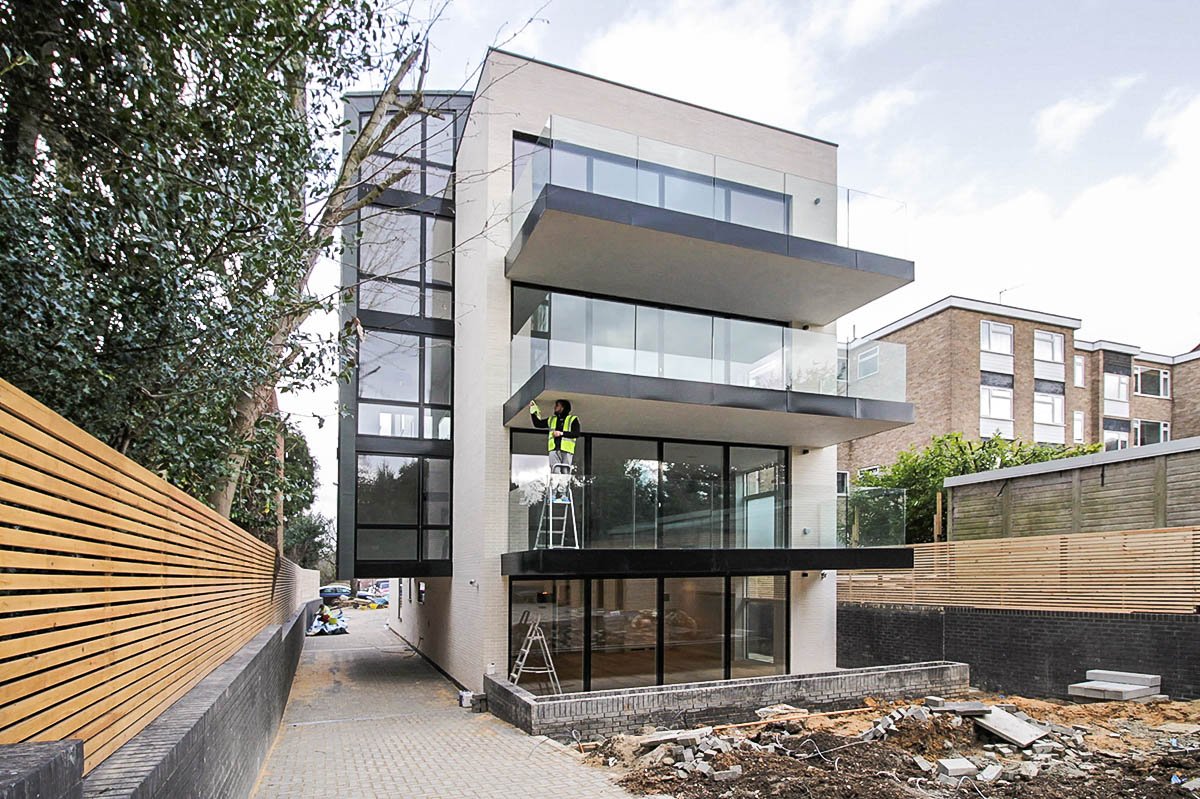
[
  {"x": 157, "y": 164},
  {"x": 277, "y": 488},
  {"x": 921, "y": 472},
  {"x": 308, "y": 540}
]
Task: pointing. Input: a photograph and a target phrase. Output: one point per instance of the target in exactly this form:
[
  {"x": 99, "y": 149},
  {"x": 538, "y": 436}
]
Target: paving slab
[
  {"x": 368, "y": 718},
  {"x": 1128, "y": 677},
  {"x": 1005, "y": 725},
  {"x": 1102, "y": 689}
]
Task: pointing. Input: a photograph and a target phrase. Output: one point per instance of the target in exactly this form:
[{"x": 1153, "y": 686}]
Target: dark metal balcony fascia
[
  {"x": 379, "y": 569},
  {"x": 697, "y": 562},
  {"x": 628, "y": 249}
]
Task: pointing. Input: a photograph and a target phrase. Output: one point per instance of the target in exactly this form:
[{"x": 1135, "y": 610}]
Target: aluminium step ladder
[
  {"x": 552, "y": 532},
  {"x": 535, "y": 636}
]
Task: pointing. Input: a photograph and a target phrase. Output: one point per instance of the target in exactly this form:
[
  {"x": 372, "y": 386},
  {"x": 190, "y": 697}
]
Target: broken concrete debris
[{"x": 933, "y": 748}]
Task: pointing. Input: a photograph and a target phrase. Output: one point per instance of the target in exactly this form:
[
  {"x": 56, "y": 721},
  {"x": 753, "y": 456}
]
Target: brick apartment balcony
[
  {"x": 610, "y": 212},
  {"x": 644, "y": 370},
  {"x": 683, "y": 518}
]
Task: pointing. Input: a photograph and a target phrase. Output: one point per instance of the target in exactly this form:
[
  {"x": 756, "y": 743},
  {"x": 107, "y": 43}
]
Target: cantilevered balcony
[
  {"x": 686, "y": 516},
  {"x": 643, "y": 370},
  {"x": 608, "y": 212}
]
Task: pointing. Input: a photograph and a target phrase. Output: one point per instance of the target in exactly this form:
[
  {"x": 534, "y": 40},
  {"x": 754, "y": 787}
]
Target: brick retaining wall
[
  {"x": 212, "y": 742},
  {"x": 1027, "y": 652},
  {"x": 42, "y": 770},
  {"x": 602, "y": 713}
]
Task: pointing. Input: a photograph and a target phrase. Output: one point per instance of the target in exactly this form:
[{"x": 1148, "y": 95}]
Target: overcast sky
[{"x": 1049, "y": 150}]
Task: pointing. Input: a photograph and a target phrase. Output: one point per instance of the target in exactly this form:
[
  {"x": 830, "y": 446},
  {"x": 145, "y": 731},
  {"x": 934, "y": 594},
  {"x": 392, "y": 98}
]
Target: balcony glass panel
[
  {"x": 624, "y": 338},
  {"x": 599, "y": 160}
]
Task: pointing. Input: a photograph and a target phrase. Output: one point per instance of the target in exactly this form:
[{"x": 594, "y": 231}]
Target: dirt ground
[{"x": 1126, "y": 751}]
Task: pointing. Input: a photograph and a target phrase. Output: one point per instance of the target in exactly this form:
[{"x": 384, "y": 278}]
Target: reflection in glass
[
  {"x": 438, "y": 370},
  {"x": 623, "y": 494},
  {"x": 439, "y": 245},
  {"x": 568, "y": 331},
  {"x": 691, "y": 496},
  {"x": 748, "y": 353},
  {"x": 624, "y": 643},
  {"x": 759, "y": 626},
  {"x": 758, "y": 498},
  {"x": 693, "y": 629},
  {"x": 396, "y": 421},
  {"x": 389, "y": 244},
  {"x": 389, "y": 366},
  {"x": 379, "y": 294},
  {"x": 386, "y": 543},
  {"x": 688, "y": 193},
  {"x": 687, "y": 351},
  {"x": 614, "y": 176},
  {"x": 439, "y": 304},
  {"x": 437, "y": 545},
  {"x": 559, "y": 606},
  {"x": 611, "y": 341},
  {"x": 437, "y": 491},
  {"x": 388, "y": 489},
  {"x": 437, "y": 424}
]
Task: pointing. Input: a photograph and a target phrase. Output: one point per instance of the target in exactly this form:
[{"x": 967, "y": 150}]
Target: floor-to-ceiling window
[
  {"x": 626, "y": 633},
  {"x": 624, "y": 639},
  {"x": 693, "y": 629},
  {"x": 637, "y": 493}
]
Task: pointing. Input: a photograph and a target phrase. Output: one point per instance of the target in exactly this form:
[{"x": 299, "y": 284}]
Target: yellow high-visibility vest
[{"x": 568, "y": 444}]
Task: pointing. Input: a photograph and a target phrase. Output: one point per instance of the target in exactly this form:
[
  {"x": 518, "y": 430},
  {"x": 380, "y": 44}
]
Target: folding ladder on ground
[
  {"x": 534, "y": 636},
  {"x": 552, "y": 525}
]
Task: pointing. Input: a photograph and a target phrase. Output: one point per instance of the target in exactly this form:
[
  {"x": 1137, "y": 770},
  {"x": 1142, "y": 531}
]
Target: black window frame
[
  {"x": 422, "y": 524},
  {"x": 422, "y": 403}
]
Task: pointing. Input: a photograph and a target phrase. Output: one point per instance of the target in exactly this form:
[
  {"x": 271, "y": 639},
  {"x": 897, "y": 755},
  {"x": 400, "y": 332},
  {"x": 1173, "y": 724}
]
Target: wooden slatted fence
[
  {"x": 118, "y": 591},
  {"x": 1146, "y": 571}
]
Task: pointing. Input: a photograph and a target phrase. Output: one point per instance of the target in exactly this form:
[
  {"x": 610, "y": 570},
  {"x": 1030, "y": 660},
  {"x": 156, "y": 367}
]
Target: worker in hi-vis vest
[{"x": 564, "y": 430}]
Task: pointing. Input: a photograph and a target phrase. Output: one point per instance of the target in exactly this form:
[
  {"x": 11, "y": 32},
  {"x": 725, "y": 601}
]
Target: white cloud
[
  {"x": 872, "y": 114},
  {"x": 766, "y": 59},
  {"x": 1060, "y": 126},
  {"x": 1118, "y": 254}
]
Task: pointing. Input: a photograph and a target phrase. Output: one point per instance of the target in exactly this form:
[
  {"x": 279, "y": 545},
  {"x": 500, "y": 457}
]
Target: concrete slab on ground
[
  {"x": 1127, "y": 677},
  {"x": 1101, "y": 689}
]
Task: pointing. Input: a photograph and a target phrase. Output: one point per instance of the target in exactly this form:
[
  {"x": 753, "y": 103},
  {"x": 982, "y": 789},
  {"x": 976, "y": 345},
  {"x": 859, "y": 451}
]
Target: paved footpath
[{"x": 369, "y": 719}]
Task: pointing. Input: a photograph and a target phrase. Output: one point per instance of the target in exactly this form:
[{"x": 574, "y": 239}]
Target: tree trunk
[{"x": 249, "y": 410}]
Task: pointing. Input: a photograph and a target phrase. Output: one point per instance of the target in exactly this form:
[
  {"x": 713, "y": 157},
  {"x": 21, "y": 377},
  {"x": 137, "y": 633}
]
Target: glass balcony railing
[
  {"x": 647, "y": 505},
  {"x": 613, "y": 163},
  {"x": 558, "y": 329}
]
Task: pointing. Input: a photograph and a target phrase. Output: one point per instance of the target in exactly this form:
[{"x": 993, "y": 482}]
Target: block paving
[{"x": 368, "y": 717}]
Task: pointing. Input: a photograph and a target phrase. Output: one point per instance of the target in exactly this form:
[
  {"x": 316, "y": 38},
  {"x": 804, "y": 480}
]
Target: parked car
[{"x": 334, "y": 591}]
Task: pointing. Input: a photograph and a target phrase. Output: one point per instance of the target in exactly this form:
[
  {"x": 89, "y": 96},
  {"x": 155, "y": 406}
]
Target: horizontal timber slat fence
[
  {"x": 118, "y": 591},
  {"x": 1131, "y": 571}
]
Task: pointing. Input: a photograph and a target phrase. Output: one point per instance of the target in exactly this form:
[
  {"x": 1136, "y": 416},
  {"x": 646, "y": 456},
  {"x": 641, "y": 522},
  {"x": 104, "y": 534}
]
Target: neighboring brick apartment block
[{"x": 980, "y": 368}]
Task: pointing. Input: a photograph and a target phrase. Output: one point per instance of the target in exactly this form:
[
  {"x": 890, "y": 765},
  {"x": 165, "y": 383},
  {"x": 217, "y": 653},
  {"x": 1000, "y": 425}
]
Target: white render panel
[
  {"x": 1047, "y": 370},
  {"x": 1116, "y": 408},
  {"x": 989, "y": 428},
  {"x": 1049, "y": 433},
  {"x": 995, "y": 362},
  {"x": 814, "y": 622}
]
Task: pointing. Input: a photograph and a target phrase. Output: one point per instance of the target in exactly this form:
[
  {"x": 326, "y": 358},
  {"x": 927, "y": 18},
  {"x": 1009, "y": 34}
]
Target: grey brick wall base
[
  {"x": 42, "y": 770},
  {"x": 1029, "y": 652},
  {"x": 212, "y": 742},
  {"x": 603, "y": 713}
]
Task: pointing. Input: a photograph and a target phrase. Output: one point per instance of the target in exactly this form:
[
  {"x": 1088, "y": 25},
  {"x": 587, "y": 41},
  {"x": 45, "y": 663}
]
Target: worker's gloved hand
[{"x": 533, "y": 408}]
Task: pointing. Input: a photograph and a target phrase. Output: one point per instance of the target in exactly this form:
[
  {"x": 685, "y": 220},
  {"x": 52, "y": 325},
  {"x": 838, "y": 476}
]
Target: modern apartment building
[
  {"x": 677, "y": 273},
  {"x": 982, "y": 368}
]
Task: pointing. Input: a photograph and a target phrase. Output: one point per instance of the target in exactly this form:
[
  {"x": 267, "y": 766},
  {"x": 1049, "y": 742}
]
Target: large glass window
[
  {"x": 1148, "y": 432},
  {"x": 1047, "y": 408},
  {"x": 757, "y": 496},
  {"x": 558, "y": 605},
  {"x": 1152, "y": 382},
  {"x": 424, "y": 146},
  {"x": 995, "y": 403},
  {"x": 693, "y": 629},
  {"x": 759, "y": 645},
  {"x": 404, "y": 382},
  {"x": 1116, "y": 387},
  {"x": 623, "y": 494},
  {"x": 626, "y": 633},
  {"x": 624, "y": 641},
  {"x": 692, "y": 496},
  {"x": 405, "y": 263},
  {"x": 751, "y": 353},
  {"x": 402, "y": 508}
]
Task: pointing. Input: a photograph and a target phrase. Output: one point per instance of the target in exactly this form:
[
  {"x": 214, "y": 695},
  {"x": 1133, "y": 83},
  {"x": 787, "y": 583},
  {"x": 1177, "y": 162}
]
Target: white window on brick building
[
  {"x": 1115, "y": 439},
  {"x": 1116, "y": 394},
  {"x": 1150, "y": 432},
  {"x": 1080, "y": 381},
  {"x": 1077, "y": 427},
  {"x": 996, "y": 337},
  {"x": 995, "y": 412},
  {"x": 1047, "y": 346},
  {"x": 1151, "y": 382}
]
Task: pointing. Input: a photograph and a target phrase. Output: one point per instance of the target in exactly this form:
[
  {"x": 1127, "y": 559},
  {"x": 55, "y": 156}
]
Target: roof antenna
[{"x": 1000, "y": 298}]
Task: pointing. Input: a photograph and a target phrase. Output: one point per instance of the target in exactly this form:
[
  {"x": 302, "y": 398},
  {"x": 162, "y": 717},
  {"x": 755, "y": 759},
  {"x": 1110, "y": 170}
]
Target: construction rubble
[{"x": 1006, "y": 747}]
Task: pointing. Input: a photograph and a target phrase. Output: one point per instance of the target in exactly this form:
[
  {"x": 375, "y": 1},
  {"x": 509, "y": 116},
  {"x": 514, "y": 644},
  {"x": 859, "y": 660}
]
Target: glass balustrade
[
  {"x": 557, "y": 329},
  {"x": 648, "y": 505},
  {"x": 613, "y": 163}
]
